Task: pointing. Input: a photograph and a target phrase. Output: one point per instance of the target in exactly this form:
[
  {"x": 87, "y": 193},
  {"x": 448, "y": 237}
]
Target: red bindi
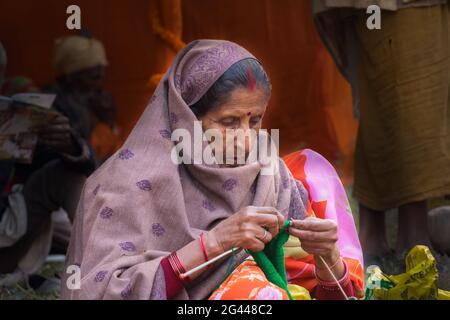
[{"x": 249, "y": 114}]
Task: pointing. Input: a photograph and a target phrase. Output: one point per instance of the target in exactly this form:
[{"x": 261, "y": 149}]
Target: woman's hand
[
  {"x": 318, "y": 237},
  {"x": 250, "y": 228}
]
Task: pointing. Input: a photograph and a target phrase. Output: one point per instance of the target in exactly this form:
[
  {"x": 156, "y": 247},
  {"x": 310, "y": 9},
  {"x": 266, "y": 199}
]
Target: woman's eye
[
  {"x": 228, "y": 121},
  {"x": 255, "y": 121}
]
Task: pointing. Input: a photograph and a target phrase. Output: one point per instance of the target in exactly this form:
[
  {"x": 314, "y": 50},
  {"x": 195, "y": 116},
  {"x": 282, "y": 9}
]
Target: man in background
[
  {"x": 30, "y": 193},
  {"x": 80, "y": 62},
  {"x": 400, "y": 81}
]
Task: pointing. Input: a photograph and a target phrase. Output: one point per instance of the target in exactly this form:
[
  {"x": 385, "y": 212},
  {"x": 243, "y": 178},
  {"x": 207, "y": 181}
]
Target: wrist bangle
[
  {"x": 343, "y": 281},
  {"x": 205, "y": 255},
  {"x": 176, "y": 265},
  {"x": 203, "y": 247},
  {"x": 332, "y": 266}
]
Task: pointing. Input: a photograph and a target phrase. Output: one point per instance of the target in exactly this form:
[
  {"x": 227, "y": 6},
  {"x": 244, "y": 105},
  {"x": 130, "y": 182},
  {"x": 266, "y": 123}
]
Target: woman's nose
[{"x": 248, "y": 141}]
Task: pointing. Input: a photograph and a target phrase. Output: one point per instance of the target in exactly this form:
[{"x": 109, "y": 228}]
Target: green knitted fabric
[{"x": 271, "y": 259}]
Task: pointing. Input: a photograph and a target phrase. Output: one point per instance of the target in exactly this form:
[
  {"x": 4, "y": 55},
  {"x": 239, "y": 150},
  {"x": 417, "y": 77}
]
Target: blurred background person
[
  {"x": 18, "y": 84},
  {"x": 400, "y": 81},
  {"x": 31, "y": 193},
  {"x": 80, "y": 62}
]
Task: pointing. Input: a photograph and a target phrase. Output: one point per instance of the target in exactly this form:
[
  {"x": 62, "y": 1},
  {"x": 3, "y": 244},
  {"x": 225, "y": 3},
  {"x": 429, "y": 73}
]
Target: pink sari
[{"x": 327, "y": 199}]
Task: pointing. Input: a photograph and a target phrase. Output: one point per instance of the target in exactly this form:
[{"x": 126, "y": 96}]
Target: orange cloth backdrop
[{"x": 311, "y": 103}]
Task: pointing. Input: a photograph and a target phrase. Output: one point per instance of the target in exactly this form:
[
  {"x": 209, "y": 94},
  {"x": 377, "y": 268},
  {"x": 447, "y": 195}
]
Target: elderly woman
[{"x": 143, "y": 219}]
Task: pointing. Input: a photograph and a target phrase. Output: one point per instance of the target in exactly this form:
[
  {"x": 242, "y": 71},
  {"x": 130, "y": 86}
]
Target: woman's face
[{"x": 244, "y": 110}]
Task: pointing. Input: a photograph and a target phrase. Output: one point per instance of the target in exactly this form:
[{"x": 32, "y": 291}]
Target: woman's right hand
[{"x": 250, "y": 228}]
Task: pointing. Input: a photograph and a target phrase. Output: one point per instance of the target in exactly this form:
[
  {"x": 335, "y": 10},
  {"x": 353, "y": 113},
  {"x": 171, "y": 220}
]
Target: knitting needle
[{"x": 207, "y": 263}]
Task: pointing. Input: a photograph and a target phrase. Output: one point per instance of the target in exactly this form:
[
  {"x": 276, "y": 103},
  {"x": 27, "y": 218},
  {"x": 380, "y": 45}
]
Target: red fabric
[
  {"x": 173, "y": 283},
  {"x": 333, "y": 293}
]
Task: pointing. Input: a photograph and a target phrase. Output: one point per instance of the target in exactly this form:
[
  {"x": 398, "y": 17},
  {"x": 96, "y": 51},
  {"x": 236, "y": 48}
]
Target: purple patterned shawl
[{"x": 139, "y": 206}]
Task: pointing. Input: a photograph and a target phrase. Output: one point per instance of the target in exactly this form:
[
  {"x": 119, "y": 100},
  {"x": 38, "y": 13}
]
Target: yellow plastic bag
[
  {"x": 298, "y": 292},
  {"x": 443, "y": 295},
  {"x": 375, "y": 281},
  {"x": 419, "y": 282}
]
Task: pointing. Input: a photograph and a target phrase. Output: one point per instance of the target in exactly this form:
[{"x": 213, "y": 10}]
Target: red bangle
[
  {"x": 176, "y": 265},
  {"x": 173, "y": 283},
  {"x": 203, "y": 247}
]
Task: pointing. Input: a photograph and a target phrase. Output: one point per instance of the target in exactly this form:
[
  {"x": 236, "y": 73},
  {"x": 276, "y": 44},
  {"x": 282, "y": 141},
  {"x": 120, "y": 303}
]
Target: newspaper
[{"x": 20, "y": 115}]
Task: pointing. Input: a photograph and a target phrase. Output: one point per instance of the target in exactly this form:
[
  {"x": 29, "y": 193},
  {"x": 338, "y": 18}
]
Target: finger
[
  {"x": 272, "y": 229},
  {"x": 274, "y": 211},
  {"x": 315, "y": 236},
  {"x": 264, "y": 235},
  {"x": 269, "y": 221},
  {"x": 281, "y": 219},
  {"x": 256, "y": 245},
  {"x": 314, "y": 224}
]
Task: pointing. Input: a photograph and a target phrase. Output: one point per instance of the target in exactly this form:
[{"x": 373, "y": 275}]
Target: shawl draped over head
[{"x": 140, "y": 206}]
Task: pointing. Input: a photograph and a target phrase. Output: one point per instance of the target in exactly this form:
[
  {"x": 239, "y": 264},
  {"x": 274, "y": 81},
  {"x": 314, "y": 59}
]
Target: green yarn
[
  {"x": 271, "y": 259},
  {"x": 229, "y": 269}
]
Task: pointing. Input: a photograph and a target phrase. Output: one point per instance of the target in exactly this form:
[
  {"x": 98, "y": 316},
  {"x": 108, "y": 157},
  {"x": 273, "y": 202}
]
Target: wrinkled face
[{"x": 244, "y": 110}]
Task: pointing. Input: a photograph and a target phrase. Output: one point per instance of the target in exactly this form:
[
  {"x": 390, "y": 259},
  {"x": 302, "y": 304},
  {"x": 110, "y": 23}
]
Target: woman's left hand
[{"x": 317, "y": 236}]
